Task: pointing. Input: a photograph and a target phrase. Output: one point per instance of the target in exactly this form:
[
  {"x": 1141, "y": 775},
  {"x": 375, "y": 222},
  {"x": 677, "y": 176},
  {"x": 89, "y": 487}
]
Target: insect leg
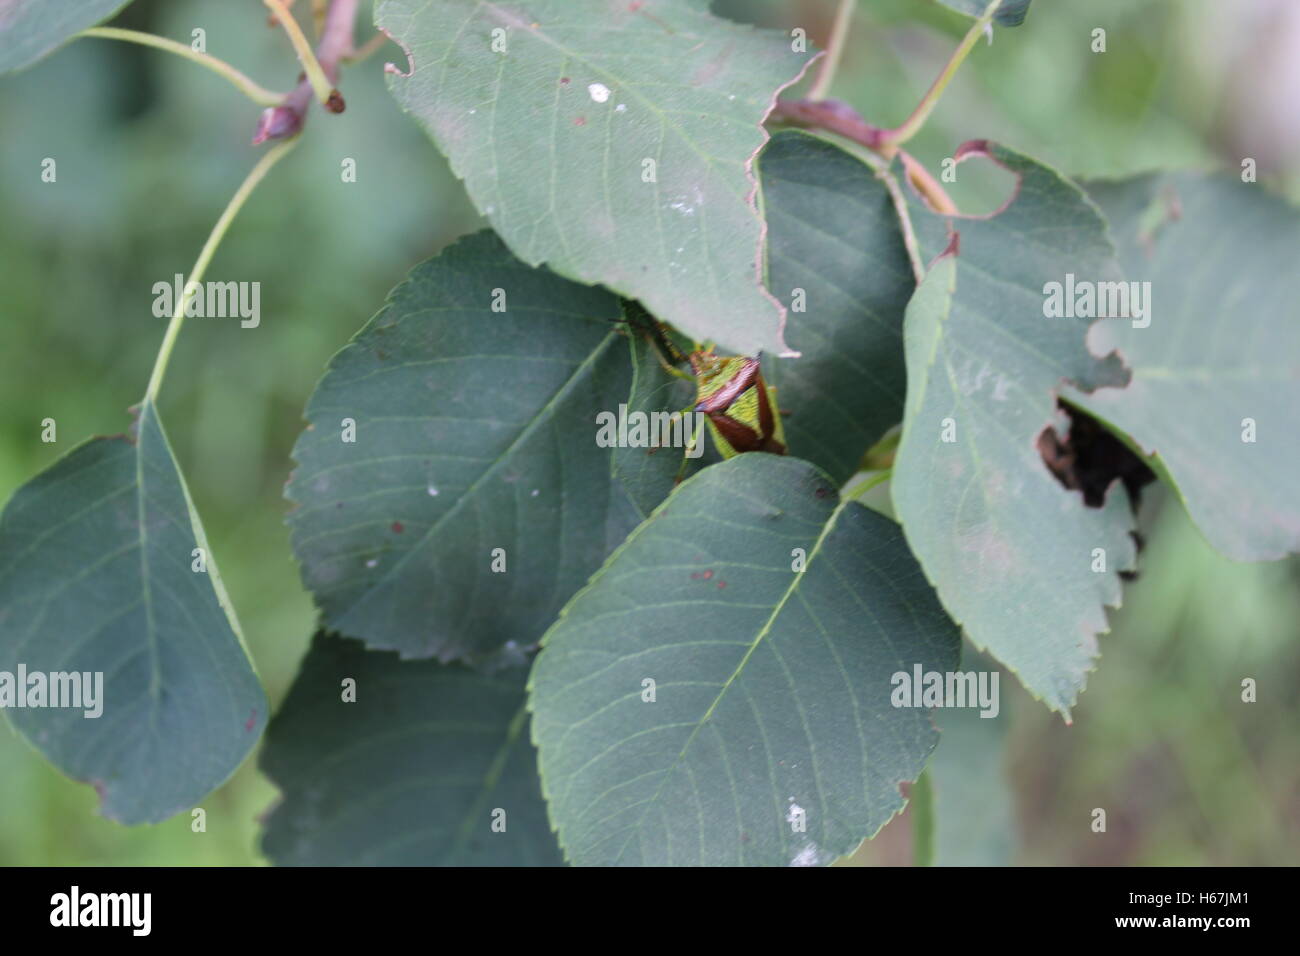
[{"x": 696, "y": 436}]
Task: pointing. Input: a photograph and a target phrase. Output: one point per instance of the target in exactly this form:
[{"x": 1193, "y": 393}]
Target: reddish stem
[
  {"x": 335, "y": 44},
  {"x": 836, "y": 116}
]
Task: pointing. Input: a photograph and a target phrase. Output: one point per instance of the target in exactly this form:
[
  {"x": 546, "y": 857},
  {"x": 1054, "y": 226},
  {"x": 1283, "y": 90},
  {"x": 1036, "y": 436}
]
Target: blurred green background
[{"x": 149, "y": 149}]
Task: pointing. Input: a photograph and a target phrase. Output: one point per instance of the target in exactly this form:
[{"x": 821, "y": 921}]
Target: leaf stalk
[{"x": 209, "y": 249}]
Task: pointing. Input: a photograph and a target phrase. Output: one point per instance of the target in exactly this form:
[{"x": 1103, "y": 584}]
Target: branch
[
  {"x": 836, "y": 116},
  {"x": 335, "y": 45},
  {"x": 315, "y": 73}
]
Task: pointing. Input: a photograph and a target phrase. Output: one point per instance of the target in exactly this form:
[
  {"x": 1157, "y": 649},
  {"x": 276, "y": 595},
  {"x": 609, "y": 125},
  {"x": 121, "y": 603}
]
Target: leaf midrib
[
  {"x": 790, "y": 590},
  {"x": 151, "y": 636},
  {"x": 542, "y": 414}
]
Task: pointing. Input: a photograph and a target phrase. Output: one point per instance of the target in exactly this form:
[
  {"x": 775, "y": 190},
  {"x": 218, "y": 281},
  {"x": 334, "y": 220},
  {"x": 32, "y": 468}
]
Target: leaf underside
[
  {"x": 1010, "y": 551},
  {"x": 834, "y": 235},
  {"x": 1010, "y": 14},
  {"x": 771, "y": 686},
  {"x": 412, "y": 772},
  {"x": 475, "y": 448},
  {"x": 96, "y": 575},
  {"x": 1222, "y": 350},
  {"x": 32, "y": 29},
  {"x": 638, "y": 124}
]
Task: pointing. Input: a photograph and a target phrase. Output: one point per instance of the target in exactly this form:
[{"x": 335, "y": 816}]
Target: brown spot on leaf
[{"x": 398, "y": 528}]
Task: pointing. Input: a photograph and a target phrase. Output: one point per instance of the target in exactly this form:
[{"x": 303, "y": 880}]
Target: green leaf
[
  {"x": 1010, "y": 14},
  {"x": 31, "y": 29},
  {"x": 475, "y": 430},
  {"x": 648, "y": 474},
  {"x": 771, "y": 686},
  {"x": 834, "y": 234},
  {"x": 585, "y": 94},
  {"x": 96, "y": 576},
  {"x": 1221, "y": 348},
  {"x": 1009, "y": 550},
  {"x": 411, "y": 772}
]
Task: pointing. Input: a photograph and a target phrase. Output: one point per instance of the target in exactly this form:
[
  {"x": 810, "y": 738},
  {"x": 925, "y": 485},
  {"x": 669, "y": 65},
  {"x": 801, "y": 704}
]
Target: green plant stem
[
  {"x": 195, "y": 276},
  {"x": 913, "y": 124},
  {"x": 367, "y": 49},
  {"x": 254, "y": 91},
  {"x": 320, "y": 83},
  {"x": 880, "y": 456},
  {"x": 872, "y": 482},
  {"x": 839, "y": 34},
  {"x": 922, "y": 806}
]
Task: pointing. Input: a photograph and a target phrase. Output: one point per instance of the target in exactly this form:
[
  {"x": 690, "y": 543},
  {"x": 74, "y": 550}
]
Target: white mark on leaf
[
  {"x": 599, "y": 92},
  {"x": 808, "y": 856}
]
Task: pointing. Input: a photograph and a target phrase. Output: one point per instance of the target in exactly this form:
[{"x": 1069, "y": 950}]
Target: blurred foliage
[{"x": 149, "y": 149}]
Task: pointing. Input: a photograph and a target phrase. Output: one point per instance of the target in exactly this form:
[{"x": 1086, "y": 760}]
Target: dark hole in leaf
[{"x": 1090, "y": 459}]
